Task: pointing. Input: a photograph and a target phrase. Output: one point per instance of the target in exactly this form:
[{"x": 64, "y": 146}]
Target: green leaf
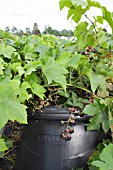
[
  {"x": 106, "y": 158},
  {"x": 69, "y": 102},
  {"x": 1, "y": 68},
  {"x": 108, "y": 17},
  {"x": 79, "y": 2},
  {"x": 97, "y": 81},
  {"x": 15, "y": 84},
  {"x": 81, "y": 27},
  {"x": 6, "y": 50},
  {"x": 42, "y": 49},
  {"x": 102, "y": 37},
  {"x": 38, "y": 90},
  {"x": 99, "y": 19},
  {"x": 8, "y": 142},
  {"x": 23, "y": 94},
  {"x": 31, "y": 66},
  {"x": 65, "y": 3},
  {"x": 91, "y": 109},
  {"x": 87, "y": 70},
  {"x": 3, "y": 146},
  {"x": 93, "y": 3},
  {"x": 30, "y": 56},
  {"x": 10, "y": 107},
  {"x": 108, "y": 102},
  {"x": 77, "y": 14},
  {"x": 99, "y": 116},
  {"x": 63, "y": 93},
  {"x": 54, "y": 72},
  {"x": 64, "y": 58},
  {"x": 14, "y": 66},
  {"x": 33, "y": 78},
  {"x": 104, "y": 69},
  {"x": 74, "y": 98},
  {"x": 29, "y": 48},
  {"x": 20, "y": 70},
  {"x": 90, "y": 41},
  {"x": 82, "y": 39},
  {"x": 70, "y": 13},
  {"x": 97, "y": 120},
  {"x": 74, "y": 61}
]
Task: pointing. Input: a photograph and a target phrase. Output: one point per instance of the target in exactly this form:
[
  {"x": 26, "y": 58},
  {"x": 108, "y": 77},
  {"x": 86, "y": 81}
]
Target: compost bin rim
[{"x": 55, "y": 113}]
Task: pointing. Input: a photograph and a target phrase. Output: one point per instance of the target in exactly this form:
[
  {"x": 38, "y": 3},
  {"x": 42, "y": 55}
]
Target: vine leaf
[
  {"x": 14, "y": 66},
  {"x": 104, "y": 70},
  {"x": 94, "y": 3},
  {"x": 102, "y": 37},
  {"x": 33, "y": 78},
  {"x": 82, "y": 38},
  {"x": 74, "y": 61},
  {"x": 23, "y": 94},
  {"x": 65, "y": 3},
  {"x": 6, "y": 50},
  {"x": 54, "y": 72},
  {"x": 99, "y": 19},
  {"x": 99, "y": 116},
  {"x": 38, "y": 90},
  {"x": 64, "y": 58},
  {"x": 10, "y": 107},
  {"x": 31, "y": 66},
  {"x": 1, "y": 69},
  {"x": 79, "y": 2},
  {"x": 108, "y": 17},
  {"x": 90, "y": 40},
  {"x": 96, "y": 81},
  {"x": 3, "y": 146},
  {"x": 42, "y": 49},
  {"x": 106, "y": 158},
  {"x": 76, "y": 14}
]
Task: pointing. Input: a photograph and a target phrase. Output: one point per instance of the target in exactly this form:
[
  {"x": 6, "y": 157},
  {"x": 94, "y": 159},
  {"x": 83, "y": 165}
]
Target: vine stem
[
  {"x": 69, "y": 118},
  {"x": 82, "y": 88},
  {"x": 92, "y": 24},
  {"x": 94, "y": 28}
]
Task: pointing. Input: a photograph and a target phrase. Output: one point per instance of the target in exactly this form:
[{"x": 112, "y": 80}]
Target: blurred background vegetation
[{"x": 36, "y": 31}]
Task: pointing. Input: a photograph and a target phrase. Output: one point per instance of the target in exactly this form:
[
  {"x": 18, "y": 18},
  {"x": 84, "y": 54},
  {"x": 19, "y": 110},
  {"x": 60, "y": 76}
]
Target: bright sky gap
[{"x": 22, "y": 14}]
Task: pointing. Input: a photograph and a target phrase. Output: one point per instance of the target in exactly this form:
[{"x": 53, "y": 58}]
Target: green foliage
[
  {"x": 95, "y": 71},
  {"x": 100, "y": 116},
  {"x": 2, "y": 145},
  {"x": 76, "y": 16},
  {"x": 80, "y": 28},
  {"x": 106, "y": 158},
  {"x": 79, "y": 2},
  {"x": 95, "y": 155},
  {"x": 92, "y": 3},
  {"x": 39, "y": 90},
  {"x": 54, "y": 72},
  {"x": 108, "y": 17},
  {"x": 64, "y": 32},
  {"x": 6, "y": 50},
  {"x": 64, "y": 3},
  {"x": 10, "y": 107},
  {"x": 42, "y": 70}
]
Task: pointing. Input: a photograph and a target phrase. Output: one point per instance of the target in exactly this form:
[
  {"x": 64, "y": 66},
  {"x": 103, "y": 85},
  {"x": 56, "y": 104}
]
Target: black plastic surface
[{"x": 43, "y": 148}]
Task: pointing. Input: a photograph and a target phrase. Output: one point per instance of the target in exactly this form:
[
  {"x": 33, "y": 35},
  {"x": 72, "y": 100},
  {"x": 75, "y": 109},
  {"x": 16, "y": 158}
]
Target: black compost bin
[{"x": 43, "y": 148}]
